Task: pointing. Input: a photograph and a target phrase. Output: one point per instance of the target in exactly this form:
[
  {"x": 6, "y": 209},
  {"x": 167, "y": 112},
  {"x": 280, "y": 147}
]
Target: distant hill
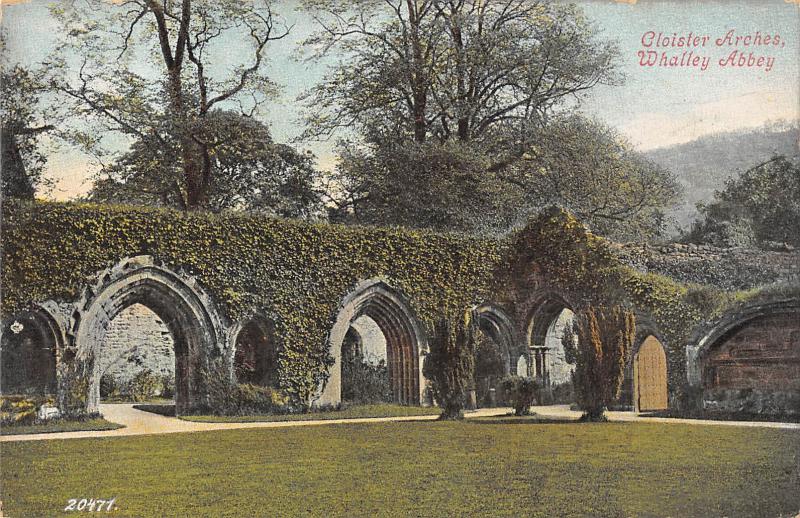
[{"x": 703, "y": 165}]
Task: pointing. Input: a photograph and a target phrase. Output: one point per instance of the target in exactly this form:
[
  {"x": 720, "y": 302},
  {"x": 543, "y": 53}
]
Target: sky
[{"x": 656, "y": 106}]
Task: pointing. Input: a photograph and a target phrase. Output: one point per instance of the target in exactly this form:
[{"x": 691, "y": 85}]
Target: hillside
[{"x": 704, "y": 164}]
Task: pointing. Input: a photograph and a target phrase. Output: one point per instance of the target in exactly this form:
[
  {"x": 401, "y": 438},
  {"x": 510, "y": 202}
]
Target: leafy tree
[
  {"x": 761, "y": 205},
  {"x": 589, "y": 168},
  {"x": 576, "y": 163},
  {"x": 605, "y": 336},
  {"x": 22, "y": 126},
  {"x": 145, "y": 71},
  {"x": 463, "y": 70},
  {"x": 432, "y": 95},
  {"x": 443, "y": 187},
  {"x": 251, "y": 172},
  {"x": 450, "y": 364}
]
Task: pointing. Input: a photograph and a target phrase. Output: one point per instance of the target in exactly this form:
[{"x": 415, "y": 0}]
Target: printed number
[{"x": 73, "y": 504}]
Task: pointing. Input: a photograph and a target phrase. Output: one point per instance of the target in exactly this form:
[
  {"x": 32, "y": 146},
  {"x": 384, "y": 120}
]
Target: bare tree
[{"x": 136, "y": 59}]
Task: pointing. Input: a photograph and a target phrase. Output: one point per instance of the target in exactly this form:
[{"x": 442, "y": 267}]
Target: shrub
[
  {"x": 18, "y": 410},
  {"x": 108, "y": 386},
  {"x": 450, "y": 364},
  {"x": 144, "y": 386},
  {"x": 168, "y": 386},
  {"x": 364, "y": 383},
  {"x": 520, "y": 392},
  {"x": 73, "y": 388},
  {"x": 225, "y": 397},
  {"x": 604, "y": 339},
  {"x": 563, "y": 393}
]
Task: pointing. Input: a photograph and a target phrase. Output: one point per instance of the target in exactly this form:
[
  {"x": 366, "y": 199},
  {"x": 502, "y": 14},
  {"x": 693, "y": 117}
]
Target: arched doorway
[
  {"x": 498, "y": 352},
  {"x": 403, "y": 336},
  {"x": 650, "y": 376},
  {"x": 365, "y": 368},
  {"x": 255, "y": 358},
  {"x": 137, "y": 359},
  {"x": 193, "y": 325},
  {"x": 749, "y": 361},
  {"x": 549, "y": 326},
  {"x": 30, "y": 343}
]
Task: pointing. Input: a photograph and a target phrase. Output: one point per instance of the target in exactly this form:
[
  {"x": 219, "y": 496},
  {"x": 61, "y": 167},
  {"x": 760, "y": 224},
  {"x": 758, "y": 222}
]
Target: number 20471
[{"x": 90, "y": 504}]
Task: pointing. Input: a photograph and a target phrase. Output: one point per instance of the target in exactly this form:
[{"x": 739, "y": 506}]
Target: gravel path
[{"x": 138, "y": 422}]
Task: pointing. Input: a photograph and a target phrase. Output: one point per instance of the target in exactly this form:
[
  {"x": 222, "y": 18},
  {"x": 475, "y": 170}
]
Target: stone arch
[
  {"x": 541, "y": 319},
  {"x": 405, "y": 340},
  {"x": 187, "y": 312},
  {"x": 495, "y": 322},
  {"x": 749, "y": 360},
  {"x": 32, "y": 342},
  {"x": 646, "y": 327},
  {"x": 255, "y": 351}
]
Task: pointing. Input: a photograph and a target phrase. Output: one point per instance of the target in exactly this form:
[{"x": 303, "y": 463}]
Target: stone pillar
[{"x": 692, "y": 365}]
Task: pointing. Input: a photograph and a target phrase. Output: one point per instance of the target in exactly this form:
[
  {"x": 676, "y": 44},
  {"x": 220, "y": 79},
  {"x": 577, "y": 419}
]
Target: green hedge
[{"x": 296, "y": 273}]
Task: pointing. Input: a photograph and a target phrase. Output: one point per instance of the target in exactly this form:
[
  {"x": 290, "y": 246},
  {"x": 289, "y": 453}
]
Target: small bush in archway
[
  {"x": 605, "y": 336},
  {"x": 520, "y": 392}
]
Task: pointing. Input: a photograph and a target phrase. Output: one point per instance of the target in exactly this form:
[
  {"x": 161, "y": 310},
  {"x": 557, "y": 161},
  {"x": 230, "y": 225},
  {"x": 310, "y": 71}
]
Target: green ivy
[{"x": 294, "y": 272}]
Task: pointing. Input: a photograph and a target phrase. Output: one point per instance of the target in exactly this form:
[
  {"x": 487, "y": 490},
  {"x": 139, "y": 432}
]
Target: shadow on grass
[
  {"x": 165, "y": 410},
  {"x": 525, "y": 419},
  {"x": 723, "y": 416}
]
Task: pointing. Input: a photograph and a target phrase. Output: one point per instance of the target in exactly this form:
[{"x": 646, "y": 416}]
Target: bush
[
  {"x": 20, "y": 410},
  {"x": 225, "y": 397},
  {"x": 563, "y": 393},
  {"x": 520, "y": 392},
  {"x": 363, "y": 383},
  {"x": 144, "y": 386},
  {"x": 108, "y": 386},
  {"x": 168, "y": 387}
]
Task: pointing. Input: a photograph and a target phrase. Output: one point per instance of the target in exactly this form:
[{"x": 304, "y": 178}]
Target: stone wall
[
  {"x": 756, "y": 368},
  {"x": 137, "y": 340},
  {"x": 727, "y": 268}
]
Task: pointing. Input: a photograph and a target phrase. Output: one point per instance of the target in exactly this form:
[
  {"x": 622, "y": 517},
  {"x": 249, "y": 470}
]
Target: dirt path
[{"x": 138, "y": 422}]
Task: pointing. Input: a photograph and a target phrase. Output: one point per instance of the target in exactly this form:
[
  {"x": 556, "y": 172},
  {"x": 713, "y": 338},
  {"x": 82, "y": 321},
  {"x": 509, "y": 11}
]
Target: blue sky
[{"x": 655, "y": 107}]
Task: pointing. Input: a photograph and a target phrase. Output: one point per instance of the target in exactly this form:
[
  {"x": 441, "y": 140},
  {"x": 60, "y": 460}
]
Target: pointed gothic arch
[{"x": 405, "y": 340}]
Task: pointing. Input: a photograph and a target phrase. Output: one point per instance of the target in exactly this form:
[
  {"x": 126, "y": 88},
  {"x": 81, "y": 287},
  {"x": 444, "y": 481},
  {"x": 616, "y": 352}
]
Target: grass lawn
[
  {"x": 353, "y": 412},
  {"x": 60, "y": 426},
  {"x": 417, "y": 468}
]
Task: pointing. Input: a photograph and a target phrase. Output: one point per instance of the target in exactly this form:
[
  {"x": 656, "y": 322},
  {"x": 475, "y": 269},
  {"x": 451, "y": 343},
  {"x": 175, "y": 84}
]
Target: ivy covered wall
[{"x": 294, "y": 273}]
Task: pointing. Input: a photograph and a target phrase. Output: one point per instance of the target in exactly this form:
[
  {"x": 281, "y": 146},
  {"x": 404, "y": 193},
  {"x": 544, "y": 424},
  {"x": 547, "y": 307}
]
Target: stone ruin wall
[
  {"x": 726, "y": 268},
  {"x": 756, "y": 369},
  {"x": 137, "y": 340}
]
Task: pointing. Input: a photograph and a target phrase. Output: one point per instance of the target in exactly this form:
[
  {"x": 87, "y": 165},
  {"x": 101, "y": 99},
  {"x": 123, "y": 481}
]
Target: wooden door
[{"x": 650, "y": 376}]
